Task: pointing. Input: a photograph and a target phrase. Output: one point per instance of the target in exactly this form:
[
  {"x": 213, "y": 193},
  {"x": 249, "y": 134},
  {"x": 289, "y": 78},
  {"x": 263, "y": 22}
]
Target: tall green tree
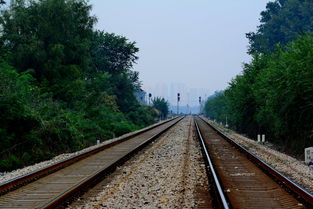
[
  {"x": 62, "y": 85},
  {"x": 284, "y": 93},
  {"x": 241, "y": 99},
  {"x": 51, "y": 37},
  {"x": 281, "y": 22},
  {"x": 272, "y": 96},
  {"x": 112, "y": 53},
  {"x": 116, "y": 55},
  {"x": 216, "y": 106},
  {"x": 162, "y": 105}
]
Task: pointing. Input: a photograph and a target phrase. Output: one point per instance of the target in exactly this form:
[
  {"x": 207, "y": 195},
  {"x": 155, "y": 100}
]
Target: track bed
[
  {"x": 244, "y": 184},
  {"x": 51, "y": 190}
]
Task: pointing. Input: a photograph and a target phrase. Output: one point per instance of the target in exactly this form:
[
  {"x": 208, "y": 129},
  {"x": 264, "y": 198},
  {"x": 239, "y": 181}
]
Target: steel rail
[
  {"x": 293, "y": 187},
  {"x": 84, "y": 183},
  {"x": 216, "y": 181},
  {"x": 22, "y": 180}
]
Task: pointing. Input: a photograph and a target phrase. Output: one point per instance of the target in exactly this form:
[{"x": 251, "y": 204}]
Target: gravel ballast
[
  {"x": 294, "y": 169},
  {"x": 168, "y": 174}
]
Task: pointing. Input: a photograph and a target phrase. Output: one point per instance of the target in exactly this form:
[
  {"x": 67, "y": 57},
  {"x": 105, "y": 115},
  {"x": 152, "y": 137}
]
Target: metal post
[
  {"x": 178, "y": 99},
  {"x": 150, "y": 95},
  {"x": 226, "y": 125},
  {"x": 200, "y": 105}
]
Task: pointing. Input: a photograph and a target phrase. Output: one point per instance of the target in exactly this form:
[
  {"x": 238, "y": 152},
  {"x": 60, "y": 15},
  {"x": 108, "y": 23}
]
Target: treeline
[
  {"x": 63, "y": 85},
  {"x": 274, "y": 93}
]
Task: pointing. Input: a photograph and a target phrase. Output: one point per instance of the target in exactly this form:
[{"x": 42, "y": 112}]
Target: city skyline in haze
[
  {"x": 200, "y": 44},
  {"x": 188, "y": 96}
]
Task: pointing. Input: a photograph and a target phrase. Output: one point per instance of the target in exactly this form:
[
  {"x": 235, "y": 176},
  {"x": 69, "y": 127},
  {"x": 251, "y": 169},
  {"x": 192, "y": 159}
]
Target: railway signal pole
[
  {"x": 150, "y": 95},
  {"x": 178, "y": 99},
  {"x": 200, "y": 105}
]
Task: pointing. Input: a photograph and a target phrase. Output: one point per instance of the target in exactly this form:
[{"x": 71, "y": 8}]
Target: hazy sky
[{"x": 200, "y": 43}]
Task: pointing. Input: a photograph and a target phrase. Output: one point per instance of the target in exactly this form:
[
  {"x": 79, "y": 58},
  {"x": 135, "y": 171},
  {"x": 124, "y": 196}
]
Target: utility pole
[{"x": 178, "y": 99}]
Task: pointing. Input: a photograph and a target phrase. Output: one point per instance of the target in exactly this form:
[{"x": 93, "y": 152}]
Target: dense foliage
[
  {"x": 63, "y": 85},
  {"x": 274, "y": 93},
  {"x": 162, "y": 106},
  {"x": 281, "y": 22},
  {"x": 215, "y": 106}
]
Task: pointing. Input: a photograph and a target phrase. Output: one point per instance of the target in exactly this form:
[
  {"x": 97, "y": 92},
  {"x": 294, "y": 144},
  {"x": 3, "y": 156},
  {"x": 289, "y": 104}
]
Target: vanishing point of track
[{"x": 71, "y": 176}]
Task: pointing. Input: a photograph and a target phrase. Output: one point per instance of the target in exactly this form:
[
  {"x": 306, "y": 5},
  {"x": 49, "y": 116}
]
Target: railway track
[
  {"x": 52, "y": 186},
  {"x": 241, "y": 180},
  {"x": 168, "y": 174},
  {"x": 238, "y": 178}
]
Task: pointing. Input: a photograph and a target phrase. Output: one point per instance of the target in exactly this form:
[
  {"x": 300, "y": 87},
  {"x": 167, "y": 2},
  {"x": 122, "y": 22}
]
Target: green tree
[
  {"x": 51, "y": 37},
  {"x": 216, "y": 106},
  {"x": 112, "y": 53},
  {"x": 241, "y": 100},
  {"x": 115, "y": 55},
  {"x": 162, "y": 105},
  {"x": 284, "y": 92},
  {"x": 63, "y": 86},
  {"x": 272, "y": 96},
  {"x": 281, "y": 22}
]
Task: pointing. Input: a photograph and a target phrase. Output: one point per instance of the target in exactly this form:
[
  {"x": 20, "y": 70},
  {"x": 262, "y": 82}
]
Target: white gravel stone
[
  {"x": 164, "y": 176},
  {"x": 6, "y": 176},
  {"x": 294, "y": 169}
]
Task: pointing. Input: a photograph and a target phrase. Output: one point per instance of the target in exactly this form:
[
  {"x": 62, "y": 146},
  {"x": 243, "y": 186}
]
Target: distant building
[{"x": 141, "y": 96}]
